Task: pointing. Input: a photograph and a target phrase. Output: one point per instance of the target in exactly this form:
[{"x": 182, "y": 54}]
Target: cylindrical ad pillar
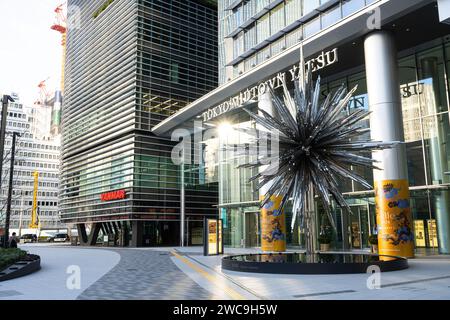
[
  {"x": 273, "y": 220},
  {"x": 392, "y": 200}
]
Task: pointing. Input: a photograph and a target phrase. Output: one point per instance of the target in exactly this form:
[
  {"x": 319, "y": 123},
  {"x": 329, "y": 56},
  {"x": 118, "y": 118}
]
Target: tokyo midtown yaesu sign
[
  {"x": 324, "y": 59},
  {"x": 113, "y": 195}
]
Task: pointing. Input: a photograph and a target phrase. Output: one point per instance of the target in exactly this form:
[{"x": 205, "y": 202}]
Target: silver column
[{"x": 386, "y": 123}]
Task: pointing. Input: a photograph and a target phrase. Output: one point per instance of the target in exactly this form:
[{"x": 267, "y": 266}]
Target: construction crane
[
  {"x": 35, "y": 224},
  {"x": 44, "y": 95},
  {"x": 60, "y": 25}
]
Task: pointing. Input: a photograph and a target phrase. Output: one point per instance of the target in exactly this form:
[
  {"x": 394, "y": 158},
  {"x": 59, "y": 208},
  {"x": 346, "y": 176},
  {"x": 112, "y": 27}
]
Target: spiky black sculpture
[{"x": 317, "y": 143}]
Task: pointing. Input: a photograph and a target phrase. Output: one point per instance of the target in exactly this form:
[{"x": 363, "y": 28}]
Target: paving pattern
[{"x": 145, "y": 275}]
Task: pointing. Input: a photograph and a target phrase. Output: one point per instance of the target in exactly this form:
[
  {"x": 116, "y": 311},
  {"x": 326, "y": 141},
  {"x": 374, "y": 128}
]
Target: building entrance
[
  {"x": 252, "y": 229},
  {"x": 161, "y": 233},
  {"x": 359, "y": 227}
]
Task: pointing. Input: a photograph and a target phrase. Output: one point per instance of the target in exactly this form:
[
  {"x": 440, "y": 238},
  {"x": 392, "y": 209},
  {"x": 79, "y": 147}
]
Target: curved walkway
[
  {"x": 50, "y": 283},
  {"x": 145, "y": 274}
]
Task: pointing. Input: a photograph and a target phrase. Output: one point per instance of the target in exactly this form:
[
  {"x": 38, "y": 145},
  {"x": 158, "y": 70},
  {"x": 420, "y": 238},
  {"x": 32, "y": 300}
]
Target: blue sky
[{"x": 29, "y": 50}]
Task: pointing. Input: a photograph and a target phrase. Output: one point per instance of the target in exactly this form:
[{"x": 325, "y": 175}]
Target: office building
[
  {"x": 131, "y": 64},
  {"x": 369, "y": 43}
]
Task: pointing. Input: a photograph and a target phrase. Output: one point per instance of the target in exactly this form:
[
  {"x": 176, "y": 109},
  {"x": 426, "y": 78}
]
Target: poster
[
  {"x": 432, "y": 233},
  {"x": 419, "y": 231},
  {"x": 273, "y": 226},
  {"x": 212, "y": 236},
  {"x": 219, "y": 236},
  {"x": 393, "y": 212}
]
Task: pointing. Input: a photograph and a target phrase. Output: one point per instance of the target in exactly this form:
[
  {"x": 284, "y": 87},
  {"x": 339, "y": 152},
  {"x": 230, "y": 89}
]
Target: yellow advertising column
[
  {"x": 393, "y": 212},
  {"x": 395, "y": 229},
  {"x": 273, "y": 226}
]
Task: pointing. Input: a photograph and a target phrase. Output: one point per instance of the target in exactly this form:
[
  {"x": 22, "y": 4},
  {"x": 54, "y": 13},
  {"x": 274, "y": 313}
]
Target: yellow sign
[
  {"x": 432, "y": 233},
  {"x": 419, "y": 231},
  {"x": 273, "y": 226},
  {"x": 212, "y": 236},
  {"x": 213, "y": 244},
  {"x": 393, "y": 211}
]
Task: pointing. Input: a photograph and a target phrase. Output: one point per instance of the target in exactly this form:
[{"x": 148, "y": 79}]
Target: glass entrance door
[
  {"x": 251, "y": 229},
  {"x": 359, "y": 227}
]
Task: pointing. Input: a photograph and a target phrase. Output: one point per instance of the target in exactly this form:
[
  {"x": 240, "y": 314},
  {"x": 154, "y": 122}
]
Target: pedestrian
[{"x": 13, "y": 241}]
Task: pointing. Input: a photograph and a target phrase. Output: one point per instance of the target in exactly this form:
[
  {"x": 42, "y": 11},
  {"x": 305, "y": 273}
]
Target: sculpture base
[{"x": 318, "y": 263}]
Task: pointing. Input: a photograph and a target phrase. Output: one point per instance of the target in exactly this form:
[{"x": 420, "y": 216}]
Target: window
[
  {"x": 277, "y": 22},
  {"x": 263, "y": 28},
  {"x": 311, "y": 27},
  {"x": 310, "y": 5},
  {"x": 331, "y": 17},
  {"x": 293, "y": 11}
]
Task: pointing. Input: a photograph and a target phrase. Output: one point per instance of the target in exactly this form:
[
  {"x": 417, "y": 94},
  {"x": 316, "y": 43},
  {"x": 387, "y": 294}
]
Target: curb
[{"x": 21, "y": 268}]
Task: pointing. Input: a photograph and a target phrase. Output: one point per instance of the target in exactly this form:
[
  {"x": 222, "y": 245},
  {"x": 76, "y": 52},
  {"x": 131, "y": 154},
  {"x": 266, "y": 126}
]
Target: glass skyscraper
[{"x": 130, "y": 64}]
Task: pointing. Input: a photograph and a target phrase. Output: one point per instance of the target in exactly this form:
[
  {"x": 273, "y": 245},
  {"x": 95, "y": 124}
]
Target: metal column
[{"x": 391, "y": 183}]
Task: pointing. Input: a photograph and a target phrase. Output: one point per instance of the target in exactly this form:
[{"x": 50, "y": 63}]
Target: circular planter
[
  {"x": 319, "y": 263},
  {"x": 27, "y": 265}
]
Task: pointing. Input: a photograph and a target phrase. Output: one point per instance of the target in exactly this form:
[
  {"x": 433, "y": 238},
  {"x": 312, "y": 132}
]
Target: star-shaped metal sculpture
[{"x": 318, "y": 141}]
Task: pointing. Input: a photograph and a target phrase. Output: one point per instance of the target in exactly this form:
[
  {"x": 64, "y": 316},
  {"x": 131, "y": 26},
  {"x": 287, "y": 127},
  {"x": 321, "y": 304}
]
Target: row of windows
[
  {"x": 30, "y": 193},
  {"x": 45, "y": 223},
  {"x": 16, "y": 115},
  {"x": 31, "y": 183},
  {"x": 29, "y": 174},
  {"x": 34, "y": 145},
  {"x": 15, "y": 124},
  {"x": 36, "y": 164},
  {"x": 40, "y": 203},
  {"x": 274, "y": 21}
]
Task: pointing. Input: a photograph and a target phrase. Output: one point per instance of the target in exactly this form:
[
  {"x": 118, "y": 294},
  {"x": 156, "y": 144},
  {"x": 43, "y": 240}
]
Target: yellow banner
[
  {"x": 394, "y": 219},
  {"x": 273, "y": 226},
  {"x": 212, "y": 236}
]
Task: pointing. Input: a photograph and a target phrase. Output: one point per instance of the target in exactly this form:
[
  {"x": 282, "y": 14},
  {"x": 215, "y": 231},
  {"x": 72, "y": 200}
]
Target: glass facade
[
  {"x": 424, "y": 90},
  {"x": 128, "y": 68},
  {"x": 275, "y": 25}
]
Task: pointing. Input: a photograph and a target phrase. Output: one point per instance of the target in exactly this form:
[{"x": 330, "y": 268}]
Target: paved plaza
[{"x": 184, "y": 273}]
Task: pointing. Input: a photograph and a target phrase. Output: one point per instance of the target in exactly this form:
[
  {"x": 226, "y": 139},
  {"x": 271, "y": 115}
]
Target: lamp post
[
  {"x": 10, "y": 185},
  {"x": 5, "y": 100}
]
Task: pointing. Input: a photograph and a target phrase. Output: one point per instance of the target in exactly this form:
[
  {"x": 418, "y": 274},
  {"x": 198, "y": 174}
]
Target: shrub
[{"x": 10, "y": 256}]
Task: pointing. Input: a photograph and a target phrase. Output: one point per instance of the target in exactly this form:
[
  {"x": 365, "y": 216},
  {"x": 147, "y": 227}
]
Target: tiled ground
[
  {"x": 145, "y": 274},
  {"x": 184, "y": 273},
  {"x": 426, "y": 278}
]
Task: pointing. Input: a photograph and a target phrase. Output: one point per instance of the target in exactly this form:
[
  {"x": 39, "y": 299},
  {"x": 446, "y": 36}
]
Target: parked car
[
  {"x": 28, "y": 238},
  {"x": 59, "y": 237}
]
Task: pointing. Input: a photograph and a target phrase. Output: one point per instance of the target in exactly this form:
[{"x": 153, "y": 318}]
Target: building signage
[
  {"x": 213, "y": 236},
  {"x": 113, "y": 195},
  {"x": 324, "y": 59}
]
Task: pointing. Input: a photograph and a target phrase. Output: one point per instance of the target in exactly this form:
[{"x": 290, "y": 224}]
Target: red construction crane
[
  {"x": 61, "y": 20},
  {"x": 60, "y": 25},
  {"x": 44, "y": 94}
]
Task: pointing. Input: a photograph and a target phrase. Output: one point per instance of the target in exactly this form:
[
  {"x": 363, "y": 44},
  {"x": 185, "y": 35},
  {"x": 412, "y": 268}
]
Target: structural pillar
[
  {"x": 393, "y": 212},
  {"x": 273, "y": 221},
  {"x": 137, "y": 229}
]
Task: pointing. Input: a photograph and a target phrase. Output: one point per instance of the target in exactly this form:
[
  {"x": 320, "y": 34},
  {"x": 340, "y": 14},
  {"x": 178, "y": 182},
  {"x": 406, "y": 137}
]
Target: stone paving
[
  {"x": 145, "y": 274},
  {"x": 183, "y": 273}
]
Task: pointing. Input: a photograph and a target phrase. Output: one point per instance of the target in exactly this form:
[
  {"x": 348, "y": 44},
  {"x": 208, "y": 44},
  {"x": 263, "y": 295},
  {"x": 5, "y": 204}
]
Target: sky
[{"x": 29, "y": 50}]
